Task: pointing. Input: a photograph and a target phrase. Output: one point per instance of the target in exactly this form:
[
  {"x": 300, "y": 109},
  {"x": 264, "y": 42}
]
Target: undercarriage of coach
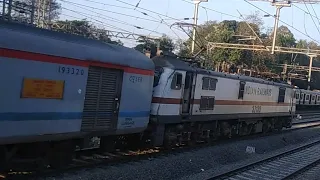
[{"x": 189, "y": 133}]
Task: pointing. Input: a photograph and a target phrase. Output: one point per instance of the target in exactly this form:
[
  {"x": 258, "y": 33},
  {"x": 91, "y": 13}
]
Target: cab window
[
  {"x": 157, "y": 74},
  {"x": 241, "y": 89},
  {"x": 176, "y": 81}
]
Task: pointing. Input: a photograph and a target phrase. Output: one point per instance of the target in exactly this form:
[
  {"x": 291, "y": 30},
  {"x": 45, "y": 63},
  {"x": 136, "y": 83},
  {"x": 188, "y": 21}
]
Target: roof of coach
[
  {"x": 27, "y": 38},
  {"x": 172, "y": 62},
  {"x": 308, "y": 91},
  {"x": 177, "y": 64}
]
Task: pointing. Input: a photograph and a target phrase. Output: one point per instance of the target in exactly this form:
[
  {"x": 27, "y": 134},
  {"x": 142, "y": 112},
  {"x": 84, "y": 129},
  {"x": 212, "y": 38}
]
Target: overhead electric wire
[
  {"x": 112, "y": 5},
  {"x": 304, "y": 23},
  {"x": 315, "y": 16},
  {"x": 311, "y": 17},
  {"x": 148, "y": 10},
  {"x": 123, "y": 22},
  {"x": 103, "y": 24},
  {"x": 104, "y": 17},
  {"x": 101, "y": 3},
  {"x": 88, "y": 16},
  {"x": 100, "y": 9},
  {"x": 304, "y": 11},
  {"x": 163, "y": 21},
  {"x": 133, "y": 41},
  {"x": 315, "y": 13},
  {"x": 206, "y": 13},
  {"x": 281, "y": 21},
  {"x": 137, "y": 4},
  {"x": 111, "y": 18},
  {"x": 146, "y": 14},
  {"x": 213, "y": 10}
]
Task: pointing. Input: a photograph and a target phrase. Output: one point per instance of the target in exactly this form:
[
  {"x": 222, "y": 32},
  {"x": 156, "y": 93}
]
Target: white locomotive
[{"x": 191, "y": 104}]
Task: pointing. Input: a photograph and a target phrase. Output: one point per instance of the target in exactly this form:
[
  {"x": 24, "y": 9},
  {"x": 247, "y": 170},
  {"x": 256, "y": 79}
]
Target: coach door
[
  {"x": 101, "y": 105},
  {"x": 186, "y": 99}
]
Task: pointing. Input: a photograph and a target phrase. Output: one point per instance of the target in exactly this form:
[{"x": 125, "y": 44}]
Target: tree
[
  {"x": 230, "y": 31},
  {"x": 44, "y": 11},
  {"x": 223, "y": 32},
  {"x": 165, "y": 44},
  {"x": 86, "y": 29},
  {"x": 254, "y": 19}
]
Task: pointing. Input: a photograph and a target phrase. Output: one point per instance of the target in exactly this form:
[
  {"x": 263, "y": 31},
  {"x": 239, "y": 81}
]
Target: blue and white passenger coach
[{"x": 57, "y": 86}]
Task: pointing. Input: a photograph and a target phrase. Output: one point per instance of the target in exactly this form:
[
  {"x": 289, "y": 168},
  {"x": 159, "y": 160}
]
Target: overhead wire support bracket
[
  {"x": 116, "y": 34},
  {"x": 278, "y": 6},
  {"x": 293, "y": 1},
  {"x": 201, "y": 45},
  {"x": 312, "y": 53},
  {"x": 212, "y": 45}
]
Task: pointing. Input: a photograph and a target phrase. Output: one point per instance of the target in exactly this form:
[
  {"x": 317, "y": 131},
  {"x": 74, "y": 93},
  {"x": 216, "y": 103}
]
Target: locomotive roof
[
  {"x": 308, "y": 91},
  {"x": 177, "y": 64},
  {"x": 171, "y": 62},
  {"x": 27, "y": 38}
]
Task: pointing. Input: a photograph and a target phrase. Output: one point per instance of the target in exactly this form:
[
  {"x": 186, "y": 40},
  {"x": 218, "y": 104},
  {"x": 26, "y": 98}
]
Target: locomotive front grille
[{"x": 103, "y": 87}]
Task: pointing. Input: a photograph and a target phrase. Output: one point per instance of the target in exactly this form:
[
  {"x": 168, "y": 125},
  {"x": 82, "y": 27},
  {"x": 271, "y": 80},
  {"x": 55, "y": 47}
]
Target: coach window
[
  {"x": 282, "y": 94},
  {"x": 209, "y": 83},
  {"x": 318, "y": 98},
  {"x": 241, "y": 89},
  {"x": 207, "y": 103},
  {"x": 307, "y": 97},
  {"x": 176, "y": 81},
  {"x": 313, "y": 98},
  {"x": 301, "y": 97},
  {"x": 297, "y": 96}
]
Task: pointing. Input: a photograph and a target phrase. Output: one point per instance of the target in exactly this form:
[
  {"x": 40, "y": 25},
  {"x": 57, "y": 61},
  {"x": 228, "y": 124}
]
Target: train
[
  {"x": 306, "y": 99},
  {"x": 59, "y": 90}
]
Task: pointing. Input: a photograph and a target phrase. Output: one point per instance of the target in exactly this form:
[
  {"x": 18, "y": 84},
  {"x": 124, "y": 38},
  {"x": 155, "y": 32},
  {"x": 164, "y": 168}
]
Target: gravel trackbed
[{"x": 200, "y": 163}]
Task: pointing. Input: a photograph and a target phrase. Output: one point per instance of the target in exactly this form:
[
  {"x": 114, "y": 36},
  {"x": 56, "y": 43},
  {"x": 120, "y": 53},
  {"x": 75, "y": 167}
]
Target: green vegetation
[{"x": 228, "y": 31}]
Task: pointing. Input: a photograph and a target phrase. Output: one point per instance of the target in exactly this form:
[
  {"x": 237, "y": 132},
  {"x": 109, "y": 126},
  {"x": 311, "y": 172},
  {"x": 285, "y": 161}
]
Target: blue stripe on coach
[{"x": 64, "y": 115}]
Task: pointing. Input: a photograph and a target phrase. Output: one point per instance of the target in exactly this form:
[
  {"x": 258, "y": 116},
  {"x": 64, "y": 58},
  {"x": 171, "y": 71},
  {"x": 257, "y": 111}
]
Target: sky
[{"x": 154, "y": 17}]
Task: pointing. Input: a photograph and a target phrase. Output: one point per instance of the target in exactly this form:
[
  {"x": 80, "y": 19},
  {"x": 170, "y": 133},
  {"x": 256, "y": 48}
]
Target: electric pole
[
  {"x": 3, "y": 9},
  {"x": 310, "y": 69},
  {"x": 32, "y": 11},
  {"x": 195, "y": 21},
  {"x": 6, "y": 6},
  {"x": 276, "y": 21}
]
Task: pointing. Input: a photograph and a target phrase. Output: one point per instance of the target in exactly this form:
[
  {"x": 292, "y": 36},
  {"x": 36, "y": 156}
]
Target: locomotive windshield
[{"x": 157, "y": 74}]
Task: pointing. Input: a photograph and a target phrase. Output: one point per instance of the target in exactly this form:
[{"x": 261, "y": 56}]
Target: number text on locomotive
[{"x": 70, "y": 70}]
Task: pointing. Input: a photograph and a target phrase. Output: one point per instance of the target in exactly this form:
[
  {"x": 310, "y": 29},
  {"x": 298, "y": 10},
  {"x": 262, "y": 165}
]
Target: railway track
[
  {"x": 93, "y": 157},
  {"x": 307, "y": 116},
  {"x": 286, "y": 165}
]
